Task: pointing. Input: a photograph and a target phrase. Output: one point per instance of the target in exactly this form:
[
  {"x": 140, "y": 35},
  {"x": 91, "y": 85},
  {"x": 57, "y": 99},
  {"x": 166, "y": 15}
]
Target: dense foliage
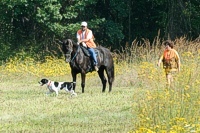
[{"x": 34, "y": 26}]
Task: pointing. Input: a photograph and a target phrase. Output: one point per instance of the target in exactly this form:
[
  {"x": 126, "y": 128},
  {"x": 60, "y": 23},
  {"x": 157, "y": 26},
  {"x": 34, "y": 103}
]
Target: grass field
[
  {"x": 138, "y": 103},
  {"x": 25, "y": 108}
]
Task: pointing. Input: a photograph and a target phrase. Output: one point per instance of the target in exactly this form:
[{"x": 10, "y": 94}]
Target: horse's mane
[
  {"x": 70, "y": 40},
  {"x": 73, "y": 42}
]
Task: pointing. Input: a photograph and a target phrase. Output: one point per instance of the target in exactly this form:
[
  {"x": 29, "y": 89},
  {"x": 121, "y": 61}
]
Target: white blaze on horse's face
[{"x": 67, "y": 57}]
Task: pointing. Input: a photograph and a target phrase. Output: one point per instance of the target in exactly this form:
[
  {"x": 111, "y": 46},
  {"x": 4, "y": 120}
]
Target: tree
[{"x": 35, "y": 25}]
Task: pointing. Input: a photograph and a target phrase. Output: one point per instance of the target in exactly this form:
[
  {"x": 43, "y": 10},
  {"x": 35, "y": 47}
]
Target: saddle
[{"x": 86, "y": 52}]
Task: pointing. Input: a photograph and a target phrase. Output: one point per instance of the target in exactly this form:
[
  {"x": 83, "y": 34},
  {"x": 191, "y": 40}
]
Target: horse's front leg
[
  {"x": 83, "y": 75},
  {"x": 74, "y": 80}
]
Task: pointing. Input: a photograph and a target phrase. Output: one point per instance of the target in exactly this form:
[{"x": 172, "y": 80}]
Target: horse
[{"x": 83, "y": 63}]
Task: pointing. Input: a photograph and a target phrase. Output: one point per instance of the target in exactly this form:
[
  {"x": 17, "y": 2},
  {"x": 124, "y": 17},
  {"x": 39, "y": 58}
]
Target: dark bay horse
[{"x": 80, "y": 63}]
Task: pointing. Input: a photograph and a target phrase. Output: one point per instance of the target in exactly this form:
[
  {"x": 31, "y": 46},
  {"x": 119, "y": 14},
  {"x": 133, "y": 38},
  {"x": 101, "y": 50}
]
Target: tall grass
[
  {"x": 138, "y": 103},
  {"x": 157, "y": 109}
]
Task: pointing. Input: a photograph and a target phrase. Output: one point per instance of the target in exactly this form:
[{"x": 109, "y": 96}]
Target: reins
[{"x": 75, "y": 53}]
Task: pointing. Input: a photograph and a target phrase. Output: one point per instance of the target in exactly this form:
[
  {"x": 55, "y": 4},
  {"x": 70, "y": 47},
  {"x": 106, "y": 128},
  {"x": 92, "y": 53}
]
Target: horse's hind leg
[
  {"x": 103, "y": 78},
  {"x": 110, "y": 74}
]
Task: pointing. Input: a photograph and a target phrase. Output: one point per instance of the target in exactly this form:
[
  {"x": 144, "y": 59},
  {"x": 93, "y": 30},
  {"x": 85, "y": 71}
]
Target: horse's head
[{"x": 67, "y": 46}]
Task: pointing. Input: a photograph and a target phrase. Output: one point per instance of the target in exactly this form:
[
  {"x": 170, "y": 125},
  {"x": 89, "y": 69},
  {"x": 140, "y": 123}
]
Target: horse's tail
[{"x": 113, "y": 72}]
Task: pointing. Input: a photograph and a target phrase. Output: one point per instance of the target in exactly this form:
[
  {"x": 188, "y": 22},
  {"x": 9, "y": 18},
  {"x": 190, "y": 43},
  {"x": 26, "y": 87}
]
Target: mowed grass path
[{"x": 25, "y": 108}]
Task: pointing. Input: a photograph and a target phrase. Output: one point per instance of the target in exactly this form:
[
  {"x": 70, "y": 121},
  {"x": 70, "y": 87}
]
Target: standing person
[
  {"x": 85, "y": 37},
  {"x": 171, "y": 61}
]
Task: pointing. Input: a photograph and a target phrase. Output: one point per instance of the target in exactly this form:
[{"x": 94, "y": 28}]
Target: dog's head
[{"x": 43, "y": 81}]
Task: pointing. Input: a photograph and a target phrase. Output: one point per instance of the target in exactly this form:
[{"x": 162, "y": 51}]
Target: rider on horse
[{"x": 85, "y": 37}]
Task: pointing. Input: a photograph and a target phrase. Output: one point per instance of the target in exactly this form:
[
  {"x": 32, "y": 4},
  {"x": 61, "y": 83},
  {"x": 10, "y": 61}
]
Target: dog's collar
[{"x": 49, "y": 83}]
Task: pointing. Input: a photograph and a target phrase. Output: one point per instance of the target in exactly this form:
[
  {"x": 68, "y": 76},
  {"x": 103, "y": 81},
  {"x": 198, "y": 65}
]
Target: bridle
[
  {"x": 75, "y": 54},
  {"x": 70, "y": 51}
]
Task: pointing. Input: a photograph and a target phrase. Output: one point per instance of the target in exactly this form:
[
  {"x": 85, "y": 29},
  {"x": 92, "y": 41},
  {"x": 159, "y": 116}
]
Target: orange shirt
[{"x": 170, "y": 59}]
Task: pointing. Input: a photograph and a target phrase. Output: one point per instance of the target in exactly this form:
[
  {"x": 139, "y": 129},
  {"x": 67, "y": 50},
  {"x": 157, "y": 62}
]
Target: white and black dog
[{"x": 57, "y": 86}]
